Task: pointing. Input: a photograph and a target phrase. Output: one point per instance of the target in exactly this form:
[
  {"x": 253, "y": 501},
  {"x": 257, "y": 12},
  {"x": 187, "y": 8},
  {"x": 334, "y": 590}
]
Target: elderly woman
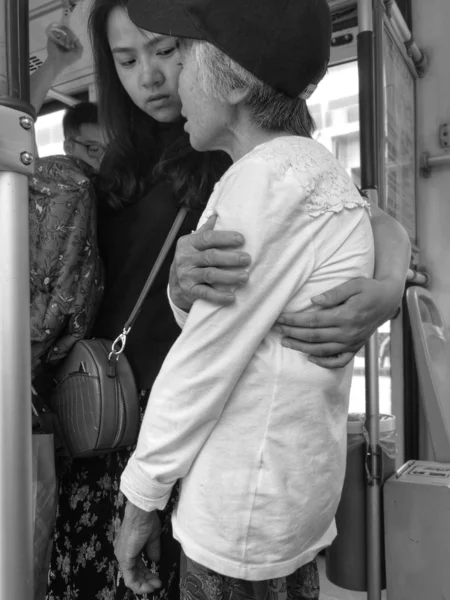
[{"x": 255, "y": 431}]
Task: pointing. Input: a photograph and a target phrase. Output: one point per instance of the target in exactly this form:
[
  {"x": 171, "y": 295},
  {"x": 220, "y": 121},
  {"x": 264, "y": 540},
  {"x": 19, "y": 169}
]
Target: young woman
[
  {"x": 137, "y": 206},
  {"x": 138, "y": 203}
]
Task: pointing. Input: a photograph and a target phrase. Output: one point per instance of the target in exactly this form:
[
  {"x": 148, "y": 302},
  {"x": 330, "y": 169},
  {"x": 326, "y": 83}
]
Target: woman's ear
[{"x": 238, "y": 95}]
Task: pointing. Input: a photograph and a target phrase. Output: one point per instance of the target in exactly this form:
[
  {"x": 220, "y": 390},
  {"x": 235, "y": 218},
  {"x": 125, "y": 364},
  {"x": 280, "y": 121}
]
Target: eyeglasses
[{"x": 93, "y": 150}]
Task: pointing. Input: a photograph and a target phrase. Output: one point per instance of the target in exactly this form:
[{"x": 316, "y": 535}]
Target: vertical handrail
[
  {"x": 16, "y": 547},
  {"x": 399, "y": 24},
  {"x": 369, "y": 183},
  {"x": 17, "y": 49},
  {"x": 380, "y": 102},
  {"x": 16, "y": 559},
  {"x": 367, "y": 100}
]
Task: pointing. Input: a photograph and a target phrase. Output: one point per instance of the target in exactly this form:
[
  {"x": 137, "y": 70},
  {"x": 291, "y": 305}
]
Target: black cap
[{"x": 285, "y": 43}]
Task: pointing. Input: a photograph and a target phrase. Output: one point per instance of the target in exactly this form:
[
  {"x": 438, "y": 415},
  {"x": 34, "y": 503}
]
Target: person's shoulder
[
  {"x": 294, "y": 154},
  {"x": 61, "y": 191},
  {"x": 60, "y": 170},
  {"x": 295, "y": 170},
  {"x": 326, "y": 185},
  {"x": 292, "y": 161},
  {"x": 281, "y": 158},
  {"x": 156, "y": 211},
  {"x": 157, "y": 203}
]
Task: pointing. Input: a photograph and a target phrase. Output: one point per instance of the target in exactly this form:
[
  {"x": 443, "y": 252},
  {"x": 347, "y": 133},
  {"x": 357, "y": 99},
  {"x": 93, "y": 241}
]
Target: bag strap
[{"x": 118, "y": 345}]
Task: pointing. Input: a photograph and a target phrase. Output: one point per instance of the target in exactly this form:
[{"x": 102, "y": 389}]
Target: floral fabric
[
  {"x": 66, "y": 278},
  {"x": 90, "y": 512},
  {"x": 200, "y": 583}
]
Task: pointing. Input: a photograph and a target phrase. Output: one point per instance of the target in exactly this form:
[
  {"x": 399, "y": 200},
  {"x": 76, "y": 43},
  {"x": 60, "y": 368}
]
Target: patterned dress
[
  {"x": 200, "y": 583},
  {"x": 90, "y": 511},
  {"x": 66, "y": 276},
  {"x": 90, "y": 505}
]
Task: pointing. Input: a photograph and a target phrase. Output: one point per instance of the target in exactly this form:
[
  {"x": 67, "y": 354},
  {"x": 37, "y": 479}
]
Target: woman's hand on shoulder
[
  {"x": 346, "y": 317},
  {"x": 208, "y": 264}
]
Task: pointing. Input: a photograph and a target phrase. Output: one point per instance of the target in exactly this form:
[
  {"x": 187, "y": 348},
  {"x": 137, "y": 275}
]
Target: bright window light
[{"x": 49, "y": 134}]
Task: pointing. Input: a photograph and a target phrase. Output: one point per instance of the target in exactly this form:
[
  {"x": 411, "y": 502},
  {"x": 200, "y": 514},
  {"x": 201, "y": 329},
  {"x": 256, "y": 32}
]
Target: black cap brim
[{"x": 167, "y": 17}]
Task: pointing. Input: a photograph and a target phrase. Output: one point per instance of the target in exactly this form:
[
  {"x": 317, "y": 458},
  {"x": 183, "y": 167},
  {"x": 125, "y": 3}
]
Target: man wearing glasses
[{"x": 83, "y": 136}]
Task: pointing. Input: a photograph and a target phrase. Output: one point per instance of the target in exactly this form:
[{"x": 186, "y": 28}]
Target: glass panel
[
  {"x": 384, "y": 365},
  {"x": 335, "y": 108},
  {"x": 400, "y": 155},
  {"x": 49, "y": 134},
  {"x": 357, "y": 392},
  {"x": 3, "y": 83}
]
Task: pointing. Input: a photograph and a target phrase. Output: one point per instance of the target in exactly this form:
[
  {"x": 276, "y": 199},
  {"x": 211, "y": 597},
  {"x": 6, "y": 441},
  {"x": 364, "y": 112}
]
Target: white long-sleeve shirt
[{"x": 256, "y": 432}]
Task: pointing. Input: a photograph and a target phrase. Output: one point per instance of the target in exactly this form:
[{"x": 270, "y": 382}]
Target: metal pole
[
  {"x": 16, "y": 543},
  {"x": 367, "y": 101},
  {"x": 64, "y": 98},
  {"x": 16, "y": 148},
  {"x": 380, "y": 103},
  {"x": 369, "y": 180},
  {"x": 428, "y": 162},
  {"x": 401, "y": 27},
  {"x": 374, "y": 533},
  {"x": 15, "y": 19}
]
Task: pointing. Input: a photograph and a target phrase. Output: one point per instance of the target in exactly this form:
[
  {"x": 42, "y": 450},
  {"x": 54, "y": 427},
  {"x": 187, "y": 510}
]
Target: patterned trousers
[{"x": 199, "y": 583}]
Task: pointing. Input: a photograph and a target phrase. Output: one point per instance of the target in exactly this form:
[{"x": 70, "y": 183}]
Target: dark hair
[
  {"x": 133, "y": 159},
  {"x": 78, "y": 115}
]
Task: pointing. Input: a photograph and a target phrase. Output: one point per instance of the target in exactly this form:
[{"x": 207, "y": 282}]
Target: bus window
[
  {"x": 49, "y": 134},
  {"x": 334, "y": 107}
]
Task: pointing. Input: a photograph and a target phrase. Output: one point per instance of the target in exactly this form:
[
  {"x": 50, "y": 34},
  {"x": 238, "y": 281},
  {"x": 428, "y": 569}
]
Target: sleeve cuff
[
  {"x": 143, "y": 492},
  {"x": 179, "y": 314}
]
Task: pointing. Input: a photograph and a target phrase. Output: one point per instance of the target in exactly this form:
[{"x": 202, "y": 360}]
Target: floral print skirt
[
  {"x": 200, "y": 583},
  {"x": 90, "y": 512}
]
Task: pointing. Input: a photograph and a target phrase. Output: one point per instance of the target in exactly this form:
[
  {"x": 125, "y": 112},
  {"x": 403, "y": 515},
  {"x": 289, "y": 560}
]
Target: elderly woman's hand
[
  {"x": 140, "y": 530},
  {"x": 208, "y": 264},
  {"x": 349, "y": 314}
]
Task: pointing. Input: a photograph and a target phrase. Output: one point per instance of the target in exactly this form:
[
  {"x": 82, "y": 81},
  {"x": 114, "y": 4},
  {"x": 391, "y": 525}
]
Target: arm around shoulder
[
  {"x": 208, "y": 265},
  {"x": 351, "y": 312},
  {"x": 392, "y": 250}
]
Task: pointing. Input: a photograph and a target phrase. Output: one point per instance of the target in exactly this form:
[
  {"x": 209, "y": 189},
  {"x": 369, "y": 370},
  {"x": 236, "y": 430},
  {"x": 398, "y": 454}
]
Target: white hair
[{"x": 218, "y": 75}]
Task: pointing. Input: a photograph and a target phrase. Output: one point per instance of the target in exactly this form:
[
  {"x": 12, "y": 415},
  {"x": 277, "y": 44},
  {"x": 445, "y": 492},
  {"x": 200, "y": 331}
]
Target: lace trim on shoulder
[
  {"x": 317, "y": 210},
  {"x": 326, "y": 185}
]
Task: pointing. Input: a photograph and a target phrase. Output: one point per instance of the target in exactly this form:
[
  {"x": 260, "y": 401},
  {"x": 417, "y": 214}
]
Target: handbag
[{"x": 96, "y": 398}]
